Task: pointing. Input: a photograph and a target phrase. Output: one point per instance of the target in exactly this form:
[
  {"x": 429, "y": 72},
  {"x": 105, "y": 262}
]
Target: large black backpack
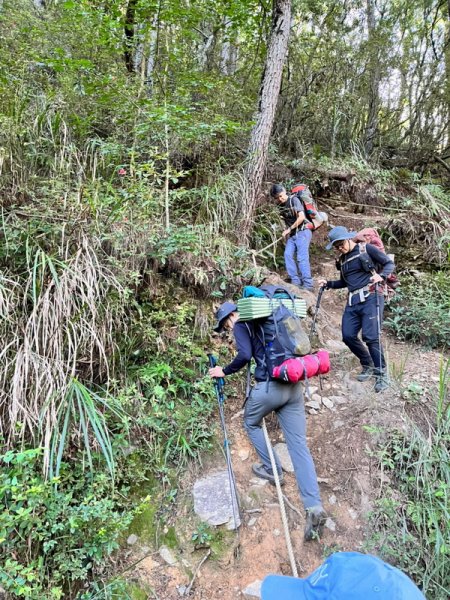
[{"x": 281, "y": 333}]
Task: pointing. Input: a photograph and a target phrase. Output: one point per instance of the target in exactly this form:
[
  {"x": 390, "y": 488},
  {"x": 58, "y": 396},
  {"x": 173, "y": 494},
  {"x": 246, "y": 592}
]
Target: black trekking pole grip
[{"x": 212, "y": 360}]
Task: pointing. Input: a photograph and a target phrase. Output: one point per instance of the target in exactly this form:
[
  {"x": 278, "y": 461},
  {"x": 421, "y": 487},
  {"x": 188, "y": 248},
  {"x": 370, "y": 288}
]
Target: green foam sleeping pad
[{"x": 258, "y": 308}]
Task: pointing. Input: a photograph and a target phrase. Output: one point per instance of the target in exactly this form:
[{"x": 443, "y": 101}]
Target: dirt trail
[
  {"x": 341, "y": 446},
  {"x": 348, "y": 478}
]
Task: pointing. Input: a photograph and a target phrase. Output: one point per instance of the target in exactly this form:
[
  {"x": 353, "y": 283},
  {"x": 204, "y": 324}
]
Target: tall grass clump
[
  {"x": 426, "y": 228},
  {"x": 61, "y": 316},
  {"x": 411, "y": 519},
  {"x": 420, "y": 311}
]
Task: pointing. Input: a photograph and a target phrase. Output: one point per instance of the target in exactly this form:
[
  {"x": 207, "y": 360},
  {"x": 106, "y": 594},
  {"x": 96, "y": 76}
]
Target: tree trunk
[
  {"x": 447, "y": 69},
  {"x": 268, "y": 98},
  {"x": 152, "y": 51},
  {"x": 228, "y": 54},
  {"x": 129, "y": 30},
  {"x": 226, "y": 48},
  {"x": 139, "y": 53},
  {"x": 374, "y": 82}
]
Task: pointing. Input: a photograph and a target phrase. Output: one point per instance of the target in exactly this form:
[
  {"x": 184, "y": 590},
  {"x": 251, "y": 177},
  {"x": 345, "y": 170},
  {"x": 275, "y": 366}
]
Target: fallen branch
[
  {"x": 442, "y": 162},
  {"x": 189, "y": 587},
  {"x": 289, "y": 503}
]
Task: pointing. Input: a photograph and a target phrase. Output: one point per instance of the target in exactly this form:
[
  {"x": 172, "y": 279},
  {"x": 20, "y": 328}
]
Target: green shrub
[
  {"x": 421, "y": 309},
  {"x": 411, "y": 521},
  {"x": 54, "y": 533}
]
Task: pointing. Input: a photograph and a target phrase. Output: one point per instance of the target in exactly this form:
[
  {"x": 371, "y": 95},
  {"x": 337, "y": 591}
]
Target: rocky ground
[{"x": 345, "y": 420}]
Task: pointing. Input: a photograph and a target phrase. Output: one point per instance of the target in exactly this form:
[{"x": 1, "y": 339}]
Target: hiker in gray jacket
[
  {"x": 286, "y": 400},
  {"x": 297, "y": 236}
]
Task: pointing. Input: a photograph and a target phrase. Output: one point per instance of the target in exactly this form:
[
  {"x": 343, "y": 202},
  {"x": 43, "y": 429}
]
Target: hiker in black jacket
[
  {"x": 286, "y": 400},
  {"x": 365, "y": 304}
]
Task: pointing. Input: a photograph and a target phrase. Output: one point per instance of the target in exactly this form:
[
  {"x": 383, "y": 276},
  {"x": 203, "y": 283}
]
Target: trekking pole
[
  {"x": 313, "y": 324},
  {"x": 313, "y": 334},
  {"x": 379, "y": 328},
  {"x": 218, "y": 384},
  {"x": 256, "y": 253}
]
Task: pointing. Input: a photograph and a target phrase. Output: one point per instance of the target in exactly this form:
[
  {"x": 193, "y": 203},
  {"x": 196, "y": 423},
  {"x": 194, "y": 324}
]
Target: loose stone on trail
[
  {"x": 244, "y": 454},
  {"x": 167, "y": 556},
  {"x": 213, "y": 500},
  {"x": 336, "y": 346},
  {"x": 352, "y": 513},
  {"x": 313, "y": 404},
  {"x": 132, "y": 539},
  {"x": 338, "y": 399},
  {"x": 285, "y": 459},
  {"x": 328, "y": 403}
]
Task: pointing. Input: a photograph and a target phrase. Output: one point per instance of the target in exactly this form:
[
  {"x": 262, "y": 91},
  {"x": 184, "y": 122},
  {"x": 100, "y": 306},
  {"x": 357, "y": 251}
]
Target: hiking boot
[
  {"x": 381, "y": 383},
  {"x": 260, "y": 471},
  {"x": 315, "y": 521},
  {"x": 365, "y": 374}
]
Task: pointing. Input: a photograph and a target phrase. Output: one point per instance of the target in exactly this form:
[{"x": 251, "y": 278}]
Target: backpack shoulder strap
[{"x": 290, "y": 199}]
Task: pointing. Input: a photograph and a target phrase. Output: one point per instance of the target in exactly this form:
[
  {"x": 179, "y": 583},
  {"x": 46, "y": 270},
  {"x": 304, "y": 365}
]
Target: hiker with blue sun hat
[
  {"x": 344, "y": 576},
  {"x": 365, "y": 304},
  {"x": 265, "y": 397}
]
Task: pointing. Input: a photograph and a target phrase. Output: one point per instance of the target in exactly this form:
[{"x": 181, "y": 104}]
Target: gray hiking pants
[{"x": 287, "y": 402}]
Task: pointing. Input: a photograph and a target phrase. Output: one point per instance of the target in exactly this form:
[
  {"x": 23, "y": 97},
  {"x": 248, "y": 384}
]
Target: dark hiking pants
[
  {"x": 286, "y": 400},
  {"x": 363, "y": 317}
]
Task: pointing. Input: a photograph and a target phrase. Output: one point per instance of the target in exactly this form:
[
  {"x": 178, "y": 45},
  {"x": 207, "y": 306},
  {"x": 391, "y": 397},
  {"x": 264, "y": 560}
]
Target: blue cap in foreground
[{"x": 344, "y": 576}]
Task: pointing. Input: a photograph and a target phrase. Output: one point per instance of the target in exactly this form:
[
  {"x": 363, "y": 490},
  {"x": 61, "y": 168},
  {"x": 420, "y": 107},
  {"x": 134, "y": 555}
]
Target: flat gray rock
[
  {"x": 285, "y": 459},
  {"x": 338, "y": 399},
  {"x": 356, "y": 388},
  {"x": 328, "y": 403},
  {"x": 313, "y": 404},
  {"x": 213, "y": 500}
]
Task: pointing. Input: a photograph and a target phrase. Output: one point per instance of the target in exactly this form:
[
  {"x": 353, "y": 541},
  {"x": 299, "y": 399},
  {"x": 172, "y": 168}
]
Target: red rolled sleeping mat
[{"x": 293, "y": 370}]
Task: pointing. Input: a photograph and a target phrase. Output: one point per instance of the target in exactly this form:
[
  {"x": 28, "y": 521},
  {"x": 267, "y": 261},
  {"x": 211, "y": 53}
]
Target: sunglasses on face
[{"x": 340, "y": 245}]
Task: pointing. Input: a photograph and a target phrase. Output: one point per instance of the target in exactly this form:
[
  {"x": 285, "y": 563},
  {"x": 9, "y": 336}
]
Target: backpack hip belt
[{"x": 359, "y": 292}]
